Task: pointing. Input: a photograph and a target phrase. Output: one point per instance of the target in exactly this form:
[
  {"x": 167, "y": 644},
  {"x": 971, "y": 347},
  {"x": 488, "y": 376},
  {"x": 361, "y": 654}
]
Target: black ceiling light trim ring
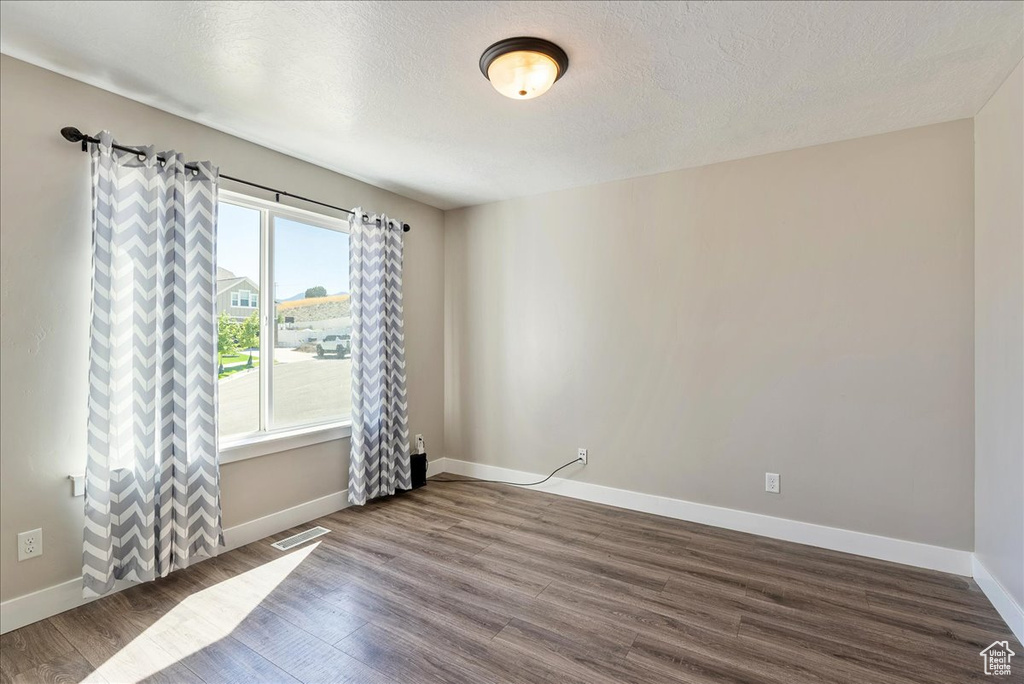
[{"x": 545, "y": 47}]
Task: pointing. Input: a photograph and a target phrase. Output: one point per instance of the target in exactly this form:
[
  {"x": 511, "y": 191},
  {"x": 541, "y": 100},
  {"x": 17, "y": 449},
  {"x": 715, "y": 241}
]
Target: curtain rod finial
[{"x": 72, "y": 134}]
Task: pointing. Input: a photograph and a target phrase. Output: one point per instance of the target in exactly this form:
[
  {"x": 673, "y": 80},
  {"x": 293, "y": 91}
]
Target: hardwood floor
[{"x": 475, "y": 582}]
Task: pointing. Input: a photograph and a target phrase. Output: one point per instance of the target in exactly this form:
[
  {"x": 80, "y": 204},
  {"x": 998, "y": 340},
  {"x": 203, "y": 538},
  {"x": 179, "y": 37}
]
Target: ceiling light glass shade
[
  {"x": 523, "y": 68},
  {"x": 522, "y": 75}
]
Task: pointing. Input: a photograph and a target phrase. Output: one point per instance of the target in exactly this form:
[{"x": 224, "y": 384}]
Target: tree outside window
[{"x": 227, "y": 335}]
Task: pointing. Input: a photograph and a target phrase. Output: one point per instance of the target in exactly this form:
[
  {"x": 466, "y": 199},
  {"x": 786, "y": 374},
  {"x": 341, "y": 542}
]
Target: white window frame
[
  {"x": 235, "y": 300},
  {"x": 267, "y": 441}
]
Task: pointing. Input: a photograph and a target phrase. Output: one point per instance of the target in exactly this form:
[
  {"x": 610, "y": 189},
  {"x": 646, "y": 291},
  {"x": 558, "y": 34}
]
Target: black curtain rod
[{"x": 72, "y": 134}]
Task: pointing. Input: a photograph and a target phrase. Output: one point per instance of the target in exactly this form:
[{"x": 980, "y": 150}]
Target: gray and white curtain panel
[
  {"x": 152, "y": 496},
  {"x": 380, "y": 422}
]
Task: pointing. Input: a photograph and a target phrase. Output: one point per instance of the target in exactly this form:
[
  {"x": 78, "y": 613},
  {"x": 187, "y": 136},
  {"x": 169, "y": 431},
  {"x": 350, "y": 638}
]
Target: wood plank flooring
[{"x": 460, "y": 582}]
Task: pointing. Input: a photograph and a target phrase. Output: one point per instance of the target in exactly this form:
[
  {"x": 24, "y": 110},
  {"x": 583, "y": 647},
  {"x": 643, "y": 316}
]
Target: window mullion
[{"x": 266, "y": 306}]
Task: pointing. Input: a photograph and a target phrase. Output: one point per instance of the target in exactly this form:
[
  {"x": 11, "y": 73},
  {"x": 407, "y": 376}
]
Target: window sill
[
  {"x": 275, "y": 442},
  {"x": 261, "y": 445}
]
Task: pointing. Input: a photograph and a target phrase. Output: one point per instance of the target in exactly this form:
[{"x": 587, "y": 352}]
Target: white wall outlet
[
  {"x": 581, "y": 454},
  {"x": 30, "y": 544},
  {"x": 77, "y": 485},
  {"x": 421, "y": 446},
  {"x": 771, "y": 482}
]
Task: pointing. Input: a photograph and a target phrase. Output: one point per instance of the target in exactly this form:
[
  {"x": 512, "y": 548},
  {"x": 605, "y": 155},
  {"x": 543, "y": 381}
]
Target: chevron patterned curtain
[
  {"x": 152, "y": 497},
  {"x": 380, "y": 420}
]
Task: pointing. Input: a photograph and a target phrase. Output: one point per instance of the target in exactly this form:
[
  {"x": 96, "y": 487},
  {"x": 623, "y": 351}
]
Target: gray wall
[
  {"x": 999, "y": 335},
  {"x": 809, "y": 313},
  {"x": 44, "y": 290}
]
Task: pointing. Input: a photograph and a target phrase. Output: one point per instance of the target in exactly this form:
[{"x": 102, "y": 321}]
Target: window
[
  {"x": 244, "y": 299},
  {"x": 247, "y": 299},
  {"x": 283, "y": 365}
]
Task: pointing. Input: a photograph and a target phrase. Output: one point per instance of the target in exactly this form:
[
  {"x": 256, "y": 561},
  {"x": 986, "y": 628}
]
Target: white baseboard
[
  {"x": 834, "y": 538},
  {"x": 437, "y": 466},
  {"x": 257, "y": 529},
  {"x": 39, "y": 605},
  {"x": 1005, "y": 605},
  {"x": 44, "y": 603}
]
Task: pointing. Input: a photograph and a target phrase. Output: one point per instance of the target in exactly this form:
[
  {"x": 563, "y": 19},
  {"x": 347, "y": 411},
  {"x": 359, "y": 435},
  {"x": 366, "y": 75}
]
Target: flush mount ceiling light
[{"x": 523, "y": 68}]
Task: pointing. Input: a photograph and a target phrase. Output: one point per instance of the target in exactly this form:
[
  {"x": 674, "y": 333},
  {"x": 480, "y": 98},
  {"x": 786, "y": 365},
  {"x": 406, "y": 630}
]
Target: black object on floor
[{"x": 419, "y": 470}]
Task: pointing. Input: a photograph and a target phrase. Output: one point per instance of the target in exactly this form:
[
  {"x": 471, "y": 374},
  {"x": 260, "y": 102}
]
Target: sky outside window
[{"x": 305, "y": 255}]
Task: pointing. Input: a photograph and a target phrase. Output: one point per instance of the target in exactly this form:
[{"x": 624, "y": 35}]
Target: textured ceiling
[{"x": 390, "y": 92}]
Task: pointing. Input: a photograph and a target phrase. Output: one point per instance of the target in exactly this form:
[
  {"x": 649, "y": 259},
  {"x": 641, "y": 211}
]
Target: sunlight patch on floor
[{"x": 202, "y": 619}]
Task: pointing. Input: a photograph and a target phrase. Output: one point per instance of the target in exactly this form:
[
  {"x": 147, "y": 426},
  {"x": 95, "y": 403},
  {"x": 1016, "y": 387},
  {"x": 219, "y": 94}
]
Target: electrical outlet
[
  {"x": 771, "y": 482},
  {"x": 77, "y": 485},
  {"x": 581, "y": 454},
  {"x": 421, "y": 447},
  {"x": 30, "y": 544}
]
